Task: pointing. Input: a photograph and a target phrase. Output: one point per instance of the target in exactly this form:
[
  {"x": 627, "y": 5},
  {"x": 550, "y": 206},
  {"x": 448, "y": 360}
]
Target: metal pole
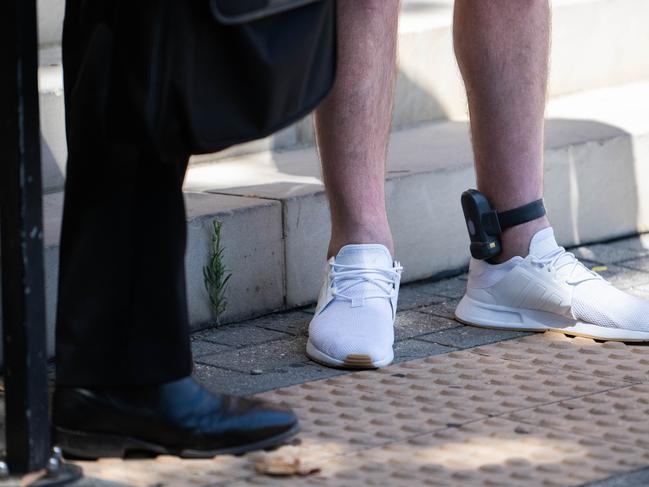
[{"x": 23, "y": 296}]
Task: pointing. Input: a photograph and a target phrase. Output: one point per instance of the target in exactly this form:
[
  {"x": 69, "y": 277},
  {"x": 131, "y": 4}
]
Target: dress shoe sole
[{"x": 91, "y": 446}]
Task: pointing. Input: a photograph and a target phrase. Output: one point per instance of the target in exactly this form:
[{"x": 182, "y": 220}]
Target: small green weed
[{"x": 216, "y": 275}]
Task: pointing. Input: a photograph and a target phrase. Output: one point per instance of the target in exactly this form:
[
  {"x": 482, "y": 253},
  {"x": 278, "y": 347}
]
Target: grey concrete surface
[
  {"x": 641, "y": 264},
  {"x": 265, "y": 356},
  {"x": 623, "y": 277},
  {"x": 268, "y": 352},
  {"x": 412, "y": 324},
  {"x": 611, "y": 253},
  {"x": 467, "y": 336},
  {"x": 414, "y": 348}
]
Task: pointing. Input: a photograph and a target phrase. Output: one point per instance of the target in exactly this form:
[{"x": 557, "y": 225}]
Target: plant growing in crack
[{"x": 216, "y": 275}]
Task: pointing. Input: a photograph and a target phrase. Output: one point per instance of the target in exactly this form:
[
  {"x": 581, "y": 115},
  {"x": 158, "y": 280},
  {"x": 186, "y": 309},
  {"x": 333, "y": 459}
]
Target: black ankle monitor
[{"x": 485, "y": 224}]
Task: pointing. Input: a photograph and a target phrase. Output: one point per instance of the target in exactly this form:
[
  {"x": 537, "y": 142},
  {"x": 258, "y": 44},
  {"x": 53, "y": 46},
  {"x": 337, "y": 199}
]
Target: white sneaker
[
  {"x": 353, "y": 326},
  {"x": 551, "y": 290}
]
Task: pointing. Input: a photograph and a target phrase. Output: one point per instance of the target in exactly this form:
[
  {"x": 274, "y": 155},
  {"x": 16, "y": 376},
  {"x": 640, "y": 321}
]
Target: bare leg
[
  {"x": 502, "y": 48},
  {"x": 353, "y": 123}
]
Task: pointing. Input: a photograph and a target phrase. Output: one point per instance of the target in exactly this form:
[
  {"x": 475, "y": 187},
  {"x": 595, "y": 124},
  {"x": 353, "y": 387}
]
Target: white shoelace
[
  {"x": 565, "y": 264},
  {"x": 345, "y": 277}
]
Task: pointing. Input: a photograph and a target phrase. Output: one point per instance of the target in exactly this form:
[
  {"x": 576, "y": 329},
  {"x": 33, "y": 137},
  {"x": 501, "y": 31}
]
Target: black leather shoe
[{"x": 177, "y": 418}]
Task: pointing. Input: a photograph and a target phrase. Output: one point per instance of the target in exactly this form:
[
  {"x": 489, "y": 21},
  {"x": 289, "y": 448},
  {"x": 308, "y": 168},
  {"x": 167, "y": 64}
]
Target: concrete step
[
  {"x": 256, "y": 258},
  {"x": 596, "y": 43},
  {"x": 597, "y": 185},
  {"x": 276, "y": 221}
]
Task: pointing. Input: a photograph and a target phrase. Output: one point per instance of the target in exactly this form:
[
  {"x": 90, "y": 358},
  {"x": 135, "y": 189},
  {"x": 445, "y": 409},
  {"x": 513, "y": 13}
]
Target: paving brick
[
  {"x": 410, "y": 324},
  {"x": 200, "y": 348},
  {"x": 638, "y": 243},
  {"x": 426, "y": 293},
  {"x": 470, "y": 336},
  {"x": 264, "y": 356},
  {"x": 241, "y": 335},
  {"x": 242, "y": 384},
  {"x": 453, "y": 288},
  {"x": 624, "y": 277},
  {"x": 415, "y": 296},
  {"x": 641, "y": 264},
  {"x": 413, "y": 349},
  {"x": 292, "y": 322},
  {"x": 613, "y": 252},
  {"x": 445, "y": 309}
]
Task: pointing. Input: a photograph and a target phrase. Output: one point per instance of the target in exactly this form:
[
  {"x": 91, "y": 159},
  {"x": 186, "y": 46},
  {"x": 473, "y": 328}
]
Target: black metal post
[{"x": 23, "y": 295}]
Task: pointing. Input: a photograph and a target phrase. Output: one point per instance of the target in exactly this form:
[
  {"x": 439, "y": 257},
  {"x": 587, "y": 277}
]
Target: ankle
[
  {"x": 360, "y": 235},
  {"x": 516, "y": 240}
]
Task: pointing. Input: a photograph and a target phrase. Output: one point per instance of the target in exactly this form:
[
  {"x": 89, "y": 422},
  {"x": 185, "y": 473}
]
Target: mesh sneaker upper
[
  {"x": 342, "y": 330},
  {"x": 594, "y": 300},
  {"x": 359, "y": 317},
  {"x": 600, "y": 303}
]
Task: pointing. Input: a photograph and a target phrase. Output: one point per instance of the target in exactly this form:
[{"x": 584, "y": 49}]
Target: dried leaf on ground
[{"x": 289, "y": 460}]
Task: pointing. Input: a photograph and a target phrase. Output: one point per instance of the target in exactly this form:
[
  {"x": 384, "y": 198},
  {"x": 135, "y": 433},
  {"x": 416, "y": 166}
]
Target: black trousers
[{"x": 122, "y": 311}]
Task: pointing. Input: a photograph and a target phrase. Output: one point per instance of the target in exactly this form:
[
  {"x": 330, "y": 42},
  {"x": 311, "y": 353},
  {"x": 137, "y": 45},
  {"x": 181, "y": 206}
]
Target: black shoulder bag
[{"x": 207, "y": 74}]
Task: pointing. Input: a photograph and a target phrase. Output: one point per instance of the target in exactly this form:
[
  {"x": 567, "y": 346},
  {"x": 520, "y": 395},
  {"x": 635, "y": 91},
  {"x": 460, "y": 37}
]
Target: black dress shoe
[{"x": 177, "y": 418}]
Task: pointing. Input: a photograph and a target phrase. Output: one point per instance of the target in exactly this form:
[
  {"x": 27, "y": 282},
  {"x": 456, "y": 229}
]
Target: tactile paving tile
[
  {"x": 619, "y": 416},
  {"x": 371, "y": 408},
  {"x": 607, "y": 360},
  {"x": 490, "y": 452},
  {"x": 499, "y": 415},
  {"x": 167, "y": 471},
  {"x": 429, "y": 393}
]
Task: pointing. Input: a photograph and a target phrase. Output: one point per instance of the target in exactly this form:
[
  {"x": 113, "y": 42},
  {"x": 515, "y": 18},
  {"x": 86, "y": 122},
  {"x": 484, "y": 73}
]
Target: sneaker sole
[
  {"x": 353, "y": 361},
  {"x": 91, "y": 446},
  {"x": 474, "y": 313}
]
